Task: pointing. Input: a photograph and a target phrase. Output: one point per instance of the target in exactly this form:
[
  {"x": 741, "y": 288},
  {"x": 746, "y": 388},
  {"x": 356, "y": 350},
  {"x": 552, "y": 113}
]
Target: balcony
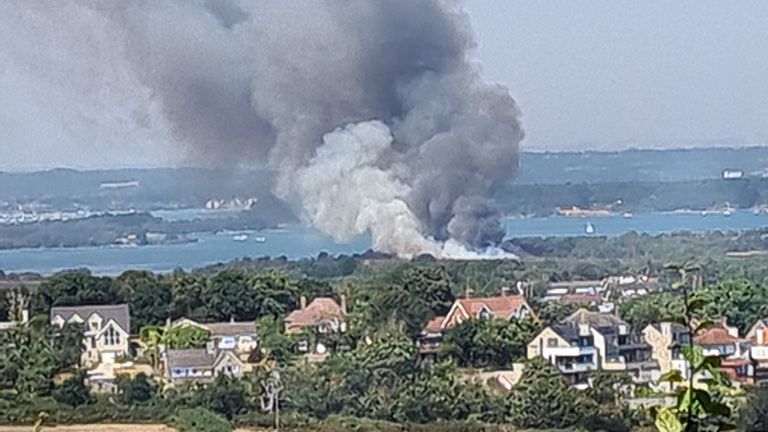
[
  {"x": 759, "y": 352},
  {"x": 576, "y": 367}
]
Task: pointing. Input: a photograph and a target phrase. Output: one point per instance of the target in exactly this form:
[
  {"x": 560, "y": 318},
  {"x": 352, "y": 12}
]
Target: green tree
[
  {"x": 542, "y": 400},
  {"x": 68, "y": 346},
  {"x": 274, "y": 343},
  {"x": 149, "y": 297},
  {"x": 225, "y": 396},
  {"x": 753, "y": 415},
  {"x": 485, "y": 342},
  {"x": 72, "y": 391},
  {"x": 74, "y": 287},
  {"x": 135, "y": 390},
  {"x": 741, "y": 301},
  {"x": 186, "y": 296}
]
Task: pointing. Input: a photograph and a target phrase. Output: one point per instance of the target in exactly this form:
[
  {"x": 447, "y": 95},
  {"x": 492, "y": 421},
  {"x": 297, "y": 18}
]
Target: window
[
  {"x": 111, "y": 337},
  {"x": 552, "y": 342}
]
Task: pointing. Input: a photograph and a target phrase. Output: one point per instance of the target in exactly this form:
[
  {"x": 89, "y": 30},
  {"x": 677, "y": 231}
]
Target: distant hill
[{"x": 639, "y": 165}]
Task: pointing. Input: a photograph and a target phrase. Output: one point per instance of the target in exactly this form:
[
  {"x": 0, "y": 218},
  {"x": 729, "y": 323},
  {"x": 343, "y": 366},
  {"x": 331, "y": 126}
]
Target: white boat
[
  {"x": 260, "y": 239},
  {"x": 240, "y": 238},
  {"x": 627, "y": 215},
  {"x": 589, "y": 229}
]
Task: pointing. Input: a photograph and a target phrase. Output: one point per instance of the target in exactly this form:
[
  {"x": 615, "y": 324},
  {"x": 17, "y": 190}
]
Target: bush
[
  {"x": 199, "y": 420},
  {"x": 72, "y": 392}
]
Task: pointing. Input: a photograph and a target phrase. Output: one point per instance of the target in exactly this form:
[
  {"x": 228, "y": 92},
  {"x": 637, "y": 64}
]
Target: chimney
[
  {"x": 24, "y": 315},
  {"x": 505, "y": 291},
  {"x": 232, "y": 319},
  {"x": 343, "y": 304},
  {"x": 761, "y": 336},
  {"x": 303, "y": 302}
]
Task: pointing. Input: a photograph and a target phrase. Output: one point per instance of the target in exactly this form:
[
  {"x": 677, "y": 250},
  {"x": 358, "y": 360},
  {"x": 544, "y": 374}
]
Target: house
[
  {"x": 239, "y": 337},
  {"x": 720, "y": 340},
  {"x": 571, "y": 351},
  {"x": 200, "y": 365},
  {"x": 665, "y": 340},
  {"x": 588, "y": 341},
  {"x": 723, "y": 341},
  {"x": 758, "y": 351},
  {"x": 556, "y": 291},
  {"x": 106, "y": 329},
  {"x": 506, "y": 307},
  {"x": 323, "y": 315}
]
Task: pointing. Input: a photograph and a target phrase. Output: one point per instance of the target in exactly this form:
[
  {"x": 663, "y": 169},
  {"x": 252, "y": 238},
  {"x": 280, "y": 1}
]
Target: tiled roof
[
  {"x": 501, "y": 307},
  {"x": 231, "y": 328},
  {"x": 716, "y": 336},
  {"x": 119, "y": 313},
  {"x": 189, "y": 358},
  {"x": 434, "y": 325},
  {"x": 321, "y": 309}
]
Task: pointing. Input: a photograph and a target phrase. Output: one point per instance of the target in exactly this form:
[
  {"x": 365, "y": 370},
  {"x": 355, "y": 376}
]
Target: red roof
[
  {"x": 434, "y": 325},
  {"x": 716, "y": 336},
  {"x": 501, "y": 307},
  {"x": 322, "y": 309}
]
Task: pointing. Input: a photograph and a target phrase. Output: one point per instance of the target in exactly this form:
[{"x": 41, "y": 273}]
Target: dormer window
[{"x": 111, "y": 336}]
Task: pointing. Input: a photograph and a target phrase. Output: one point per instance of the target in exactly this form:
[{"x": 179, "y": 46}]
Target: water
[{"x": 304, "y": 242}]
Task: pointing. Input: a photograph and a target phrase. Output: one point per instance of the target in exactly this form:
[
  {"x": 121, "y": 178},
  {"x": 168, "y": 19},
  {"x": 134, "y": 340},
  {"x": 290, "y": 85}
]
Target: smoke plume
[{"x": 371, "y": 113}]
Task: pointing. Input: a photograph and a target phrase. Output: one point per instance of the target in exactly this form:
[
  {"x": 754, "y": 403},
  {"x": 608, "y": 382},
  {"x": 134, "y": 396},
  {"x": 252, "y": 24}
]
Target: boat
[
  {"x": 589, "y": 229},
  {"x": 240, "y": 238},
  {"x": 260, "y": 239},
  {"x": 627, "y": 215}
]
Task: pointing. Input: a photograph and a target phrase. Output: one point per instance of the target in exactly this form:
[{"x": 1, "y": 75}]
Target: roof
[
  {"x": 231, "y": 328},
  {"x": 594, "y": 319},
  {"x": 501, "y": 306},
  {"x": 189, "y": 358},
  {"x": 119, "y": 313},
  {"x": 569, "y": 333},
  {"x": 434, "y": 325},
  {"x": 716, "y": 336},
  {"x": 320, "y": 310},
  {"x": 580, "y": 298},
  {"x": 576, "y": 284}
]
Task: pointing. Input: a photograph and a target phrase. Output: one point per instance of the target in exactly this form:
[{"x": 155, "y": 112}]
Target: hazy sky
[{"x": 586, "y": 74}]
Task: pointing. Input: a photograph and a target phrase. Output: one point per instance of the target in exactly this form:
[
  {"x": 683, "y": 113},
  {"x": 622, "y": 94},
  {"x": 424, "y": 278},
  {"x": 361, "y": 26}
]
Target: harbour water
[{"x": 304, "y": 242}]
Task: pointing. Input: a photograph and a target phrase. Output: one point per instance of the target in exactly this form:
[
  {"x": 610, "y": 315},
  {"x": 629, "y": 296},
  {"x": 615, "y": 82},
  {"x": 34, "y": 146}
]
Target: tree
[
  {"x": 274, "y": 343},
  {"x": 225, "y": 396},
  {"x": 135, "y": 390},
  {"x": 74, "y": 287},
  {"x": 542, "y": 400},
  {"x": 68, "y": 346},
  {"x": 484, "y": 342},
  {"x": 753, "y": 415},
  {"x": 652, "y": 308},
  {"x": 72, "y": 391},
  {"x": 741, "y": 301},
  {"x": 149, "y": 297},
  {"x": 432, "y": 285},
  {"x": 186, "y": 300}
]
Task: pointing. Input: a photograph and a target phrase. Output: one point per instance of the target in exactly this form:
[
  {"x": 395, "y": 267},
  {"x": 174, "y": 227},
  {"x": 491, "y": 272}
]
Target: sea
[{"x": 301, "y": 242}]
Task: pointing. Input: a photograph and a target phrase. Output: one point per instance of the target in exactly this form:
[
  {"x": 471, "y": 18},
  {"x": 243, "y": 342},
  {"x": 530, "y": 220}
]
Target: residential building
[
  {"x": 758, "y": 351},
  {"x": 200, "y": 365},
  {"x": 322, "y": 314},
  {"x": 558, "y": 291},
  {"x": 571, "y": 349},
  {"x": 106, "y": 330},
  {"x": 238, "y": 337},
  {"x": 506, "y": 307},
  {"x": 588, "y": 341},
  {"x": 665, "y": 340},
  {"x": 723, "y": 341}
]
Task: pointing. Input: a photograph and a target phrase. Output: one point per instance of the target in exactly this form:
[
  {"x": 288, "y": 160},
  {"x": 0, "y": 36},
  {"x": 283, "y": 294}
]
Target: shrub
[{"x": 199, "y": 420}]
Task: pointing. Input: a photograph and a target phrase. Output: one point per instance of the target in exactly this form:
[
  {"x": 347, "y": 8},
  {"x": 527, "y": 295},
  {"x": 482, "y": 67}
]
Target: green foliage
[
  {"x": 542, "y": 400},
  {"x": 753, "y": 414},
  {"x": 225, "y": 396},
  {"x": 199, "y": 420},
  {"x": 741, "y": 301},
  {"x": 29, "y": 357},
  {"x": 274, "y": 343},
  {"x": 488, "y": 342},
  {"x": 149, "y": 297},
  {"x": 239, "y": 295},
  {"x": 136, "y": 390},
  {"x": 72, "y": 391},
  {"x": 653, "y": 308},
  {"x": 698, "y": 408},
  {"x": 76, "y": 287}
]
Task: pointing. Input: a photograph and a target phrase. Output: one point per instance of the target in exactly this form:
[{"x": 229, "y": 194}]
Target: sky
[{"x": 604, "y": 75}]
